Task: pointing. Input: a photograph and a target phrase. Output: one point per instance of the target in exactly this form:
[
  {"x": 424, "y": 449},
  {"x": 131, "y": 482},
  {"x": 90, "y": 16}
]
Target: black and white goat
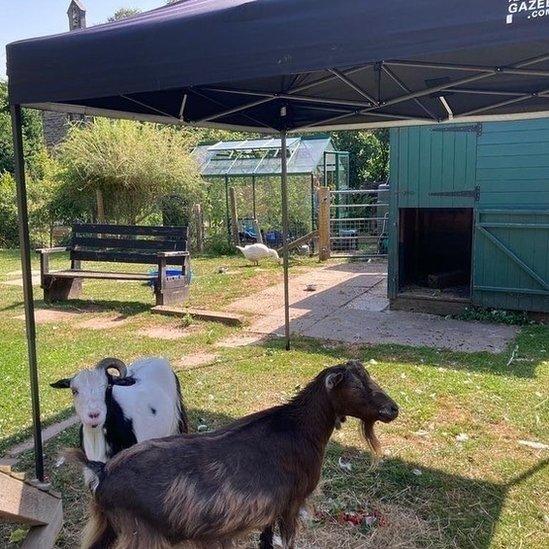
[{"x": 142, "y": 402}]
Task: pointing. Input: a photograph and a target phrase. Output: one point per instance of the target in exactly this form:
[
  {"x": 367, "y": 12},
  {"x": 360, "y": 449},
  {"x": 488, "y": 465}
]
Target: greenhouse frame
[{"x": 313, "y": 159}]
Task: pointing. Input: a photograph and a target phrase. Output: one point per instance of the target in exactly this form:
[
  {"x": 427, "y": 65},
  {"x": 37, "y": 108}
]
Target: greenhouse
[{"x": 252, "y": 168}]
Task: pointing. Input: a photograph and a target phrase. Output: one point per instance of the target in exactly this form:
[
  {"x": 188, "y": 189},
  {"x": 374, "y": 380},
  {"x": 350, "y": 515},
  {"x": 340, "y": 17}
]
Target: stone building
[{"x": 55, "y": 123}]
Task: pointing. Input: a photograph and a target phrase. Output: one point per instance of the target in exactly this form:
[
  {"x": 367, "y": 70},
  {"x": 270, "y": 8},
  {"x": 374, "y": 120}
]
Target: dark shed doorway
[{"x": 435, "y": 251}]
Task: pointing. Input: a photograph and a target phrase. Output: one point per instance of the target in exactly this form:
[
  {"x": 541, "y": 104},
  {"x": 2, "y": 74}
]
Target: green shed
[{"x": 470, "y": 205}]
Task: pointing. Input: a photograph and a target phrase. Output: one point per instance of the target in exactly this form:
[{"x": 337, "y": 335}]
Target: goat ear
[
  {"x": 64, "y": 383},
  {"x": 333, "y": 380},
  {"x": 122, "y": 381}
]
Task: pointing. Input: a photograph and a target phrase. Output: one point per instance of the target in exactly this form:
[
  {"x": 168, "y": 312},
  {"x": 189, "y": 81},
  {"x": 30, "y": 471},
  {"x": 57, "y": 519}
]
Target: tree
[
  {"x": 32, "y": 133},
  {"x": 368, "y": 155},
  {"x": 134, "y": 165},
  {"x": 123, "y": 13}
]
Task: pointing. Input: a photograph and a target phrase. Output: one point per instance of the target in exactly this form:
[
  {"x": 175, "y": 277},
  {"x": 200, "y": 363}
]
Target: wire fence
[{"x": 359, "y": 222}]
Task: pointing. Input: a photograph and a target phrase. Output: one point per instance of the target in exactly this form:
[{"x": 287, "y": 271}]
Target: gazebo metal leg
[
  {"x": 24, "y": 240},
  {"x": 285, "y": 228}
]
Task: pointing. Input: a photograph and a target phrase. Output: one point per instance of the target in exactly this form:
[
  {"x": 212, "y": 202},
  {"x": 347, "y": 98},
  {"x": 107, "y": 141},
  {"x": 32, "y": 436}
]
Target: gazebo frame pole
[
  {"x": 24, "y": 243},
  {"x": 285, "y": 227}
]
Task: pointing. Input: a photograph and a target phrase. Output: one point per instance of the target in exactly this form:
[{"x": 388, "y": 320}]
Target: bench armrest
[
  {"x": 47, "y": 251},
  {"x": 173, "y": 254}
]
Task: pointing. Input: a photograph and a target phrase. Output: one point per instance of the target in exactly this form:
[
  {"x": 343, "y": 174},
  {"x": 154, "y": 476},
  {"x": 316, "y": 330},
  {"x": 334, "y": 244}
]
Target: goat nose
[
  {"x": 389, "y": 412},
  {"x": 93, "y": 415}
]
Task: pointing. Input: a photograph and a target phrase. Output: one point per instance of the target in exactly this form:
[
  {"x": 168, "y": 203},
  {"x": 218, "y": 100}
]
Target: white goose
[{"x": 256, "y": 252}]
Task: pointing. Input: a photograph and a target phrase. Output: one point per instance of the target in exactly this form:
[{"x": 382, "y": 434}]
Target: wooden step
[{"x": 231, "y": 319}]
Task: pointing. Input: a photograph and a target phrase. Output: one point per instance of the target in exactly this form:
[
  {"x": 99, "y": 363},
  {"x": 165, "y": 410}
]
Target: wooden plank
[
  {"x": 517, "y": 150},
  {"x": 89, "y": 228},
  {"x": 43, "y": 537},
  {"x": 77, "y": 273},
  {"x": 231, "y": 319},
  {"x": 301, "y": 240},
  {"x": 127, "y": 244},
  {"x": 20, "y": 502},
  {"x": 114, "y": 257}
]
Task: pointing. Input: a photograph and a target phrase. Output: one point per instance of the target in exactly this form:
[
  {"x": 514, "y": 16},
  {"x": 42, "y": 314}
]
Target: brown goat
[{"x": 254, "y": 474}]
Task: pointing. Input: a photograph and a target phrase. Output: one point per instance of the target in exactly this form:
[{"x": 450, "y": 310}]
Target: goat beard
[{"x": 367, "y": 428}]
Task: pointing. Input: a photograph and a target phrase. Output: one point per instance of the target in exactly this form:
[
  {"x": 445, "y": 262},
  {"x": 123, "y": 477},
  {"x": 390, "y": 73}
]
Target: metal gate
[{"x": 359, "y": 222}]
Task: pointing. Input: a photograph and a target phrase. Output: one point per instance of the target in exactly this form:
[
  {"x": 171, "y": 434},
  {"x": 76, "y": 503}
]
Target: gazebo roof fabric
[
  {"x": 306, "y": 156},
  {"x": 344, "y": 63}
]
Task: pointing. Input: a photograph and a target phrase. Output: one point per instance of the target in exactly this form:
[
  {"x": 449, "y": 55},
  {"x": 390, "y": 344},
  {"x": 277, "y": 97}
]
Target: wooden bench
[{"x": 159, "y": 246}]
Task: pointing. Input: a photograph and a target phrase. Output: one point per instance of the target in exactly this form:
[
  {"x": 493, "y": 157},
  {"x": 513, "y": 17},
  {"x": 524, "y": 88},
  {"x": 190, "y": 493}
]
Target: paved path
[{"x": 350, "y": 305}]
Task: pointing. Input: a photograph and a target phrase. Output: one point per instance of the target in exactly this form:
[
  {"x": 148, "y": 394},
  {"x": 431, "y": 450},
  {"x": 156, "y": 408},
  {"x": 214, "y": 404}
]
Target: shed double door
[{"x": 511, "y": 259}]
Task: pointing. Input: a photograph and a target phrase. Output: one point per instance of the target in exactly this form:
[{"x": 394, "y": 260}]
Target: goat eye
[{"x": 75, "y": 392}]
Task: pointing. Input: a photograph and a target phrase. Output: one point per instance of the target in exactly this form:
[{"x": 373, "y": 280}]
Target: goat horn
[{"x": 112, "y": 362}]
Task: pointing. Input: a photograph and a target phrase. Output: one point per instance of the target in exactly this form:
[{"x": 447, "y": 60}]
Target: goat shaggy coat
[{"x": 254, "y": 474}]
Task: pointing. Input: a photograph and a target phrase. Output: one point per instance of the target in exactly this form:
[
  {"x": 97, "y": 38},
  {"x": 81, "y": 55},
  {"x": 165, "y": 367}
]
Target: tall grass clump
[{"x": 134, "y": 165}]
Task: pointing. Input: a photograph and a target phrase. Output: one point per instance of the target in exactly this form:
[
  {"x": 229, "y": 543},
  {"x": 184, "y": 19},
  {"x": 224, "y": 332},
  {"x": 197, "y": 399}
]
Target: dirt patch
[
  {"x": 195, "y": 360},
  {"x": 241, "y": 340},
  {"x": 104, "y": 323},
  {"x": 168, "y": 332},
  {"x": 48, "y": 316},
  {"x": 392, "y": 526}
]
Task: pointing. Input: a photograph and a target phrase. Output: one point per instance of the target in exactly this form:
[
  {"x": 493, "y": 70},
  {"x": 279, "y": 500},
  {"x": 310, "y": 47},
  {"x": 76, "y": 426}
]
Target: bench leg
[
  {"x": 61, "y": 289},
  {"x": 171, "y": 295}
]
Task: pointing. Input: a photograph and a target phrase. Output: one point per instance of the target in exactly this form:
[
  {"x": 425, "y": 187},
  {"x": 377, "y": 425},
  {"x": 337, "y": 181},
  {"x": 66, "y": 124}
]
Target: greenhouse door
[{"x": 511, "y": 259}]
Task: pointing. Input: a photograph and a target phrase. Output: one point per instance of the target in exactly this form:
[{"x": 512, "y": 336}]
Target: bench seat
[
  {"x": 158, "y": 246},
  {"x": 102, "y": 275}
]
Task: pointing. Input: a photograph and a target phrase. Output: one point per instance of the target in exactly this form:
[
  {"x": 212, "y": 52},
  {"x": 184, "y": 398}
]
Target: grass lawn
[{"x": 435, "y": 488}]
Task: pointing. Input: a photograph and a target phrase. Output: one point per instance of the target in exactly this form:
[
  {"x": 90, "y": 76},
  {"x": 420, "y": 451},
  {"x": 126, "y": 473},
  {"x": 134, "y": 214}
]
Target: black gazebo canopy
[
  {"x": 332, "y": 64},
  {"x": 282, "y": 66}
]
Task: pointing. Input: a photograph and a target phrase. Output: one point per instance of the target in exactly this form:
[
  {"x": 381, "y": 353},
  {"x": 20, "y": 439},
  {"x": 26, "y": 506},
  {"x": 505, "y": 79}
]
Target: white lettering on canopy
[{"x": 530, "y": 9}]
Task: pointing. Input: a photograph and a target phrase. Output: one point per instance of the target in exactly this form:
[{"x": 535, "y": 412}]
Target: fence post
[
  {"x": 323, "y": 200},
  {"x": 198, "y": 223},
  {"x": 234, "y": 217},
  {"x": 100, "y": 206},
  {"x": 257, "y": 230}
]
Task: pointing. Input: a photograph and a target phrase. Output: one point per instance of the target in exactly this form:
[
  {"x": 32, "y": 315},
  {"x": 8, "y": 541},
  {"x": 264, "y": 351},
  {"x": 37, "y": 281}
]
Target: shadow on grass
[
  {"x": 126, "y": 308},
  {"x": 487, "y": 363},
  {"x": 459, "y": 512}
]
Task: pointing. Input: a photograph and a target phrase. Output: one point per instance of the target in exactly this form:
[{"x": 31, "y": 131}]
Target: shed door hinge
[{"x": 473, "y": 193}]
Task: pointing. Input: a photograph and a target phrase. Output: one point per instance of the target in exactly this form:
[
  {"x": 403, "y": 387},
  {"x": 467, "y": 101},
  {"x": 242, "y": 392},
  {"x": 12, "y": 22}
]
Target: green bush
[
  {"x": 9, "y": 236},
  {"x": 134, "y": 165}
]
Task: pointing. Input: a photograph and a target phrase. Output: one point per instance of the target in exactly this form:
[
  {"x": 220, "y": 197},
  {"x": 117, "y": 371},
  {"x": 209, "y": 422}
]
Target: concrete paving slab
[
  {"x": 414, "y": 329},
  {"x": 350, "y": 305}
]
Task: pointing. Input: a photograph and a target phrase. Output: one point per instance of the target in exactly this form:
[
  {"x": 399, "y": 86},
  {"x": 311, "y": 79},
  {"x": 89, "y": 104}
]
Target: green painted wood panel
[
  {"x": 509, "y": 162},
  {"x": 432, "y": 160},
  {"x": 511, "y": 259}
]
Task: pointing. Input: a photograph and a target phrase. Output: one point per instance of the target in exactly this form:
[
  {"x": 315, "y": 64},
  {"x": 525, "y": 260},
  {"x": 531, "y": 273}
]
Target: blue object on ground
[{"x": 169, "y": 272}]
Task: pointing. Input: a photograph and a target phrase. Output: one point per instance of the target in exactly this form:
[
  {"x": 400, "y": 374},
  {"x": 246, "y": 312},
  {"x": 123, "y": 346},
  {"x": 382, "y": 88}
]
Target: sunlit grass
[{"x": 435, "y": 488}]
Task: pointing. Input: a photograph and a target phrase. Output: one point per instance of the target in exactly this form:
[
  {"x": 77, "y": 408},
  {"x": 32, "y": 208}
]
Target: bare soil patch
[
  {"x": 168, "y": 332},
  {"x": 104, "y": 323},
  {"x": 241, "y": 340},
  {"x": 195, "y": 360},
  {"x": 48, "y": 316}
]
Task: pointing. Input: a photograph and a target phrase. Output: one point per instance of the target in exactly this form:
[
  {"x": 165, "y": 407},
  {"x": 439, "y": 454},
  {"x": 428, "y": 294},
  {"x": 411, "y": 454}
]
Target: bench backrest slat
[
  {"x": 134, "y": 230},
  {"x": 125, "y": 243},
  {"x": 79, "y": 242}
]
